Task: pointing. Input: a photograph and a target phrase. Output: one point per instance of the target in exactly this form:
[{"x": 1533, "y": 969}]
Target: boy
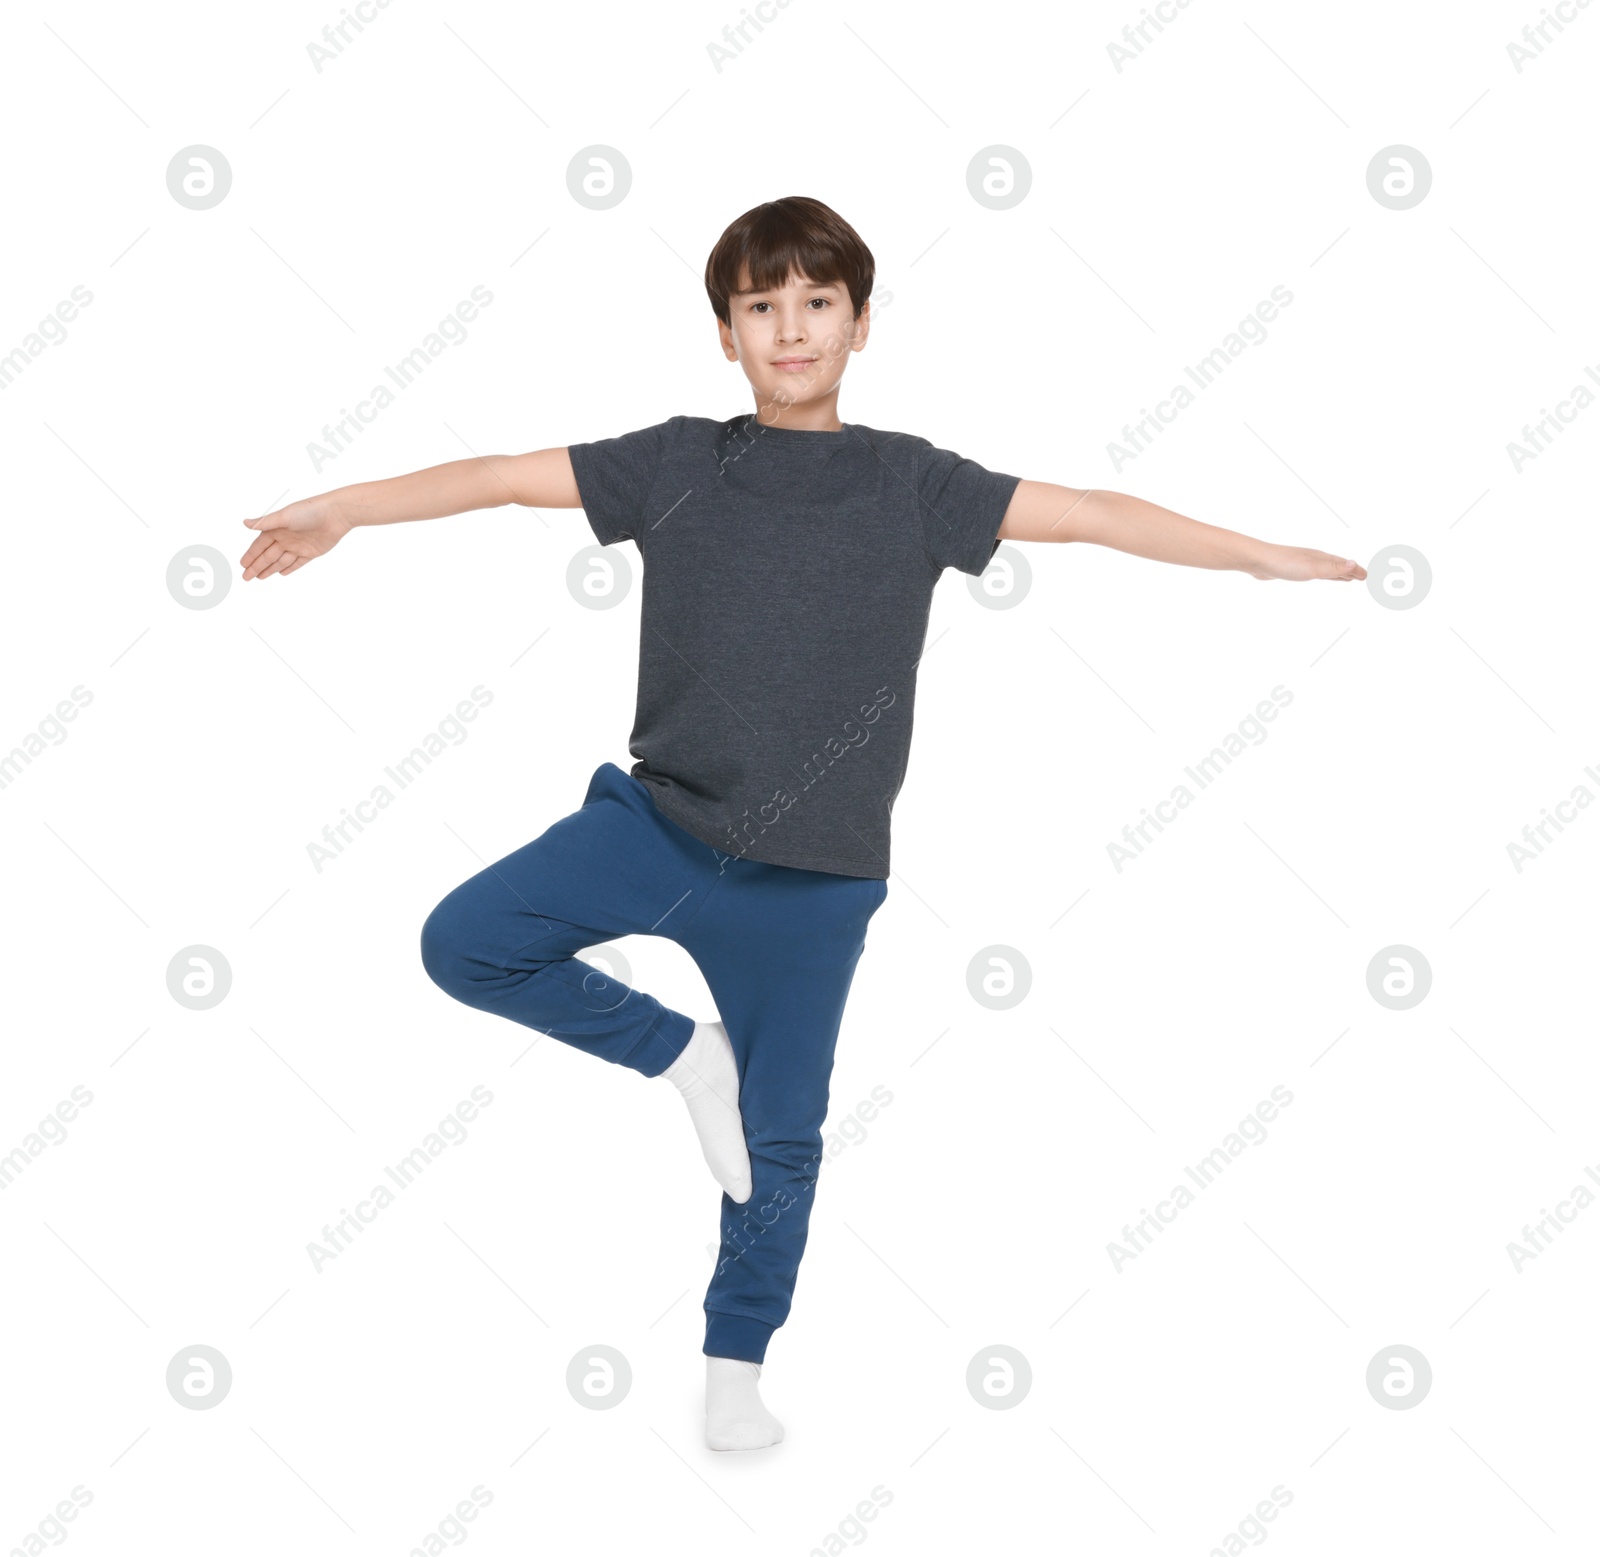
[{"x": 790, "y": 560}]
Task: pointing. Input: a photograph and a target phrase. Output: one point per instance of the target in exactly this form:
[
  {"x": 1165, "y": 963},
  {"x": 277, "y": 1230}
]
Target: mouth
[{"x": 793, "y": 364}]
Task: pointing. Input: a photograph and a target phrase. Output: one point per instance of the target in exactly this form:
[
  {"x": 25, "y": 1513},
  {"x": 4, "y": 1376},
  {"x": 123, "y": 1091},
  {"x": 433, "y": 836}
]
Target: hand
[
  {"x": 1299, "y": 563},
  {"x": 291, "y": 537}
]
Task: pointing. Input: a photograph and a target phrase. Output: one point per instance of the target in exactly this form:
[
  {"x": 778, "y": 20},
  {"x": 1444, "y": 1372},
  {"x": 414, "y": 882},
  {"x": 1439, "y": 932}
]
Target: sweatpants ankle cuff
[
  {"x": 669, "y": 1034},
  {"x": 732, "y": 1335}
]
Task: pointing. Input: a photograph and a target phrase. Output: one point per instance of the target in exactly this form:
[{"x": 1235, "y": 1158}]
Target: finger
[
  {"x": 255, "y": 549},
  {"x": 299, "y": 562},
  {"x": 279, "y": 563},
  {"x": 271, "y": 554},
  {"x": 278, "y": 519}
]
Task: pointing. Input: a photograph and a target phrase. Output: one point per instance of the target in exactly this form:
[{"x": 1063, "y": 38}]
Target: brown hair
[{"x": 792, "y": 236}]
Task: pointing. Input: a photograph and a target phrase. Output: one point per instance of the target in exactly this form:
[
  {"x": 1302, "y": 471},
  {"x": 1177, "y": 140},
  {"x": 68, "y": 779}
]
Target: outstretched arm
[
  {"x": 292, "y": 536},
  {"x": 1042, "y": 511}
]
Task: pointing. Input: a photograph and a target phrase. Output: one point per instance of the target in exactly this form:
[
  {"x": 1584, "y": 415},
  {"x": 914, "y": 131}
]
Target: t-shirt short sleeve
[
  {"x": 614, "y": 478},
  {"x": 961, "y": 504}
]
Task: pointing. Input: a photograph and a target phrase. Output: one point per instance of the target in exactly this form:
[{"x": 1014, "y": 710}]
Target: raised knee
[{"x": 446, "y": 947}]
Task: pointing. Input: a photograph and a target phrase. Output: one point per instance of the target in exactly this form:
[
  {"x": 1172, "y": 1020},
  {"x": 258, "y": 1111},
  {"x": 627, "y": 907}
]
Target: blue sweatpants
[{"x": 777, "y": 946}]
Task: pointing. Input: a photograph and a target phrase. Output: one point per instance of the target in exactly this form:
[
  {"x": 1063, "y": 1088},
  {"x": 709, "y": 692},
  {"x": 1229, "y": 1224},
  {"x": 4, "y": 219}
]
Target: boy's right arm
[{"x": 292, "y": 536}]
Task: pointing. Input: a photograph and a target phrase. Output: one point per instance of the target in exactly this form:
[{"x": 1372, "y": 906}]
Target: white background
[{"x": 1168, "y": 199}]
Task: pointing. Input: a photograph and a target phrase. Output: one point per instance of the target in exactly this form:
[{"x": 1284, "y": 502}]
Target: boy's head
[{"x": 789, "y": 282}]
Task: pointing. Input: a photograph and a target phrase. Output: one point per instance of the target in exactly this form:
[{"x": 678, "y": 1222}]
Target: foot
[
  {"x": 735, "y": 1417},
  {"x": 707, "y": 1075}
]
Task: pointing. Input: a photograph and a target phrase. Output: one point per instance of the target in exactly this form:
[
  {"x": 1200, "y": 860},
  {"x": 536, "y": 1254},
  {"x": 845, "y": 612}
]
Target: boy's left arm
[{"x": 1042, "y": 511}]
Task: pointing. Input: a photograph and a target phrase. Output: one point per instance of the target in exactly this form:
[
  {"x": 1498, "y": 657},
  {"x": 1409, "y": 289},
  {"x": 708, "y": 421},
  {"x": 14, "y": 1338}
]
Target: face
[{"x": 792, "y": 341}]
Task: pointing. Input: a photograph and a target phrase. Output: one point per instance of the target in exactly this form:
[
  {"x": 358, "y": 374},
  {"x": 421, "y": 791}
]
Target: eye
[
  {"x": 755, "y": 306},
  {"x": 824, "y": 301}
]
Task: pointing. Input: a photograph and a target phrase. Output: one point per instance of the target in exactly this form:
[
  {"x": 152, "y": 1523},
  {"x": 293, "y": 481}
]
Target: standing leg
[{"x": 778, "y": 947}]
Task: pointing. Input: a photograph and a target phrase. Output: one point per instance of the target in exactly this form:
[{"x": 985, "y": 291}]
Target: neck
[{"x": 813, "y": 416}]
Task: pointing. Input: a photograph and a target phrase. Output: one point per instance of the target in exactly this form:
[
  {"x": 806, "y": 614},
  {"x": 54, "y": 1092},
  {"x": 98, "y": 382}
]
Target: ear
[
  {"x": 863, "y": 326},
  {"x": 725, "y": 335}
]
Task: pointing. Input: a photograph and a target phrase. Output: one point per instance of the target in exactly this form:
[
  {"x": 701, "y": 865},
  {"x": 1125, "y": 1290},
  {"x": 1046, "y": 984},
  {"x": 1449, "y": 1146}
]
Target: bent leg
[{"x": 506, "y": 940}]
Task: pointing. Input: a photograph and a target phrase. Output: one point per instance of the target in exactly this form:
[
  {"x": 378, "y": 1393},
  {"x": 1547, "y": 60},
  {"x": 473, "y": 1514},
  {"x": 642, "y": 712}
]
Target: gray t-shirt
[{"x": 788, "y": 577}]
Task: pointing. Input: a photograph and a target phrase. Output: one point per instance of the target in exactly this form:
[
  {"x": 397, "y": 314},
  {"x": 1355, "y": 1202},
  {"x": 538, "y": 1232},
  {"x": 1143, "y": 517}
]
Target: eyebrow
[{"x": 808, "y": 286}]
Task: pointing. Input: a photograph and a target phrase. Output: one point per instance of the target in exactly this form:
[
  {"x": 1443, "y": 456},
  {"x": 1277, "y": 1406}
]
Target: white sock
[
  {"x": 707, "y": 1075},
  {"x": 735, "y": 1417}
]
